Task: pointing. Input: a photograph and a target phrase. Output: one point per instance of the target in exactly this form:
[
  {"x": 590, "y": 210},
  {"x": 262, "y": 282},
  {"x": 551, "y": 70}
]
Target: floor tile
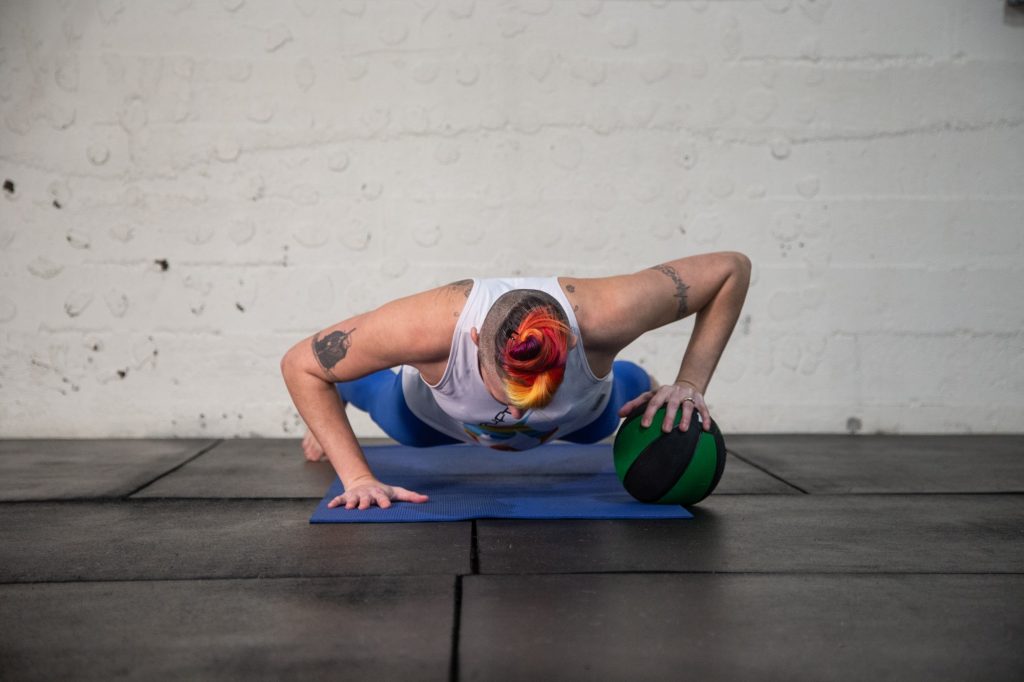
[
  {"x": 248, "y": 468},
  {"x": 889, "y": 464},
  {"x": 742, "y": 627},
  {"x": 375, "y": 628},
  {"x": 782, "y": 533},
  {"x": 64, "y": 469},
  {"x": 739, "y": 478},
  {"x": 176, "y": 539}
]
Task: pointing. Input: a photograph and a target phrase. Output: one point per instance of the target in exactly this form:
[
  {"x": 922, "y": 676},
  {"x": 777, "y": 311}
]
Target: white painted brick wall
[{"x": 293, "y": 163}]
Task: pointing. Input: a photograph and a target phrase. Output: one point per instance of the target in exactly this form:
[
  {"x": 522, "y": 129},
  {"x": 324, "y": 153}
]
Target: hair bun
[
  {"x": 534, "y": 358},
  {"x": 524, "y": 349}
]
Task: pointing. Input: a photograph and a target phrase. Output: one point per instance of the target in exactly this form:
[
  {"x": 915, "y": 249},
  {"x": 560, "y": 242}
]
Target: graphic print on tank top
[{"x": 499, "y": 434}]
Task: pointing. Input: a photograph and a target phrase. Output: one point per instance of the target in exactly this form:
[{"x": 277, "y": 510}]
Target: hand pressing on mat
[{"x": 364, "y": 493}]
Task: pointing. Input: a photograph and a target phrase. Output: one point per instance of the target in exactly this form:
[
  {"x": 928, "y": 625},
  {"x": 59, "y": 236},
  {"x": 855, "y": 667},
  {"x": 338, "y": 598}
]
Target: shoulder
[
  {"x": 428, "y": 321},
  {"x": 609, "y": 309},
  {"x": 591, "y": 299},
  {"x": 437, "y": 311},
  {"x": 418, "y": 328}
]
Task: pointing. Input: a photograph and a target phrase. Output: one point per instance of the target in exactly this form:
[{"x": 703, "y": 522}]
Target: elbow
[
  {"x": 299, "y": 367},
  {"x": 289, "y": 365},
  {"x": 286, "y": 367},
  {"x": 741, "y": 265}
]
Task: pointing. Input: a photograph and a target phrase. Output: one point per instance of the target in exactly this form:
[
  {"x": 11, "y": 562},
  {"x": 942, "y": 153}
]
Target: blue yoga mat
[{"x": 558, "y": 481}]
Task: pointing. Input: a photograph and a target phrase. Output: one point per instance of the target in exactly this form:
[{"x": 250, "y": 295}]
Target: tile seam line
[
  {"x": 456, "y": 634},
  {"x": 220, "y": 579},
  {"x": 474, "y": 548},
  {"x": 146, "y": 500},
  {"x": 723, "y": 494},
  {"x": 884, "y": 493},
  {"x": 1019, "y": 573},
  {"x": 194, "y": 457},
  {"x": 743, "y": 459},
  {"x": 462, "y": 576}
]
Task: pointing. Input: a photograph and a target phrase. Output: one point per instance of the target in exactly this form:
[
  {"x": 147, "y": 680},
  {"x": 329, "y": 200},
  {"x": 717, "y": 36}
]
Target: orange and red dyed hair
[{"x": 533, "y": 357}]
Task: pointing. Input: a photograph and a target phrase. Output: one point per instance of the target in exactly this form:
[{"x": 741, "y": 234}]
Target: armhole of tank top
[
  {"x": 456, "y": 342},
  {"x": 574, "y": 323}
]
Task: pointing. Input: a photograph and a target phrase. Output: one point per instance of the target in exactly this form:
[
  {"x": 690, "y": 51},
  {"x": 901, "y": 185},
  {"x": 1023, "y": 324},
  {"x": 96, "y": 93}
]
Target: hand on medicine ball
[{"x": 673, "y": 397}]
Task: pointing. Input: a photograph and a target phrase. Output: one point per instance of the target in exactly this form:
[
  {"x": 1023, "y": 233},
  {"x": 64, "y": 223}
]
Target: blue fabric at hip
[
  {"x": 380, "y": 394},
  {"x": 630, "y": 381}
]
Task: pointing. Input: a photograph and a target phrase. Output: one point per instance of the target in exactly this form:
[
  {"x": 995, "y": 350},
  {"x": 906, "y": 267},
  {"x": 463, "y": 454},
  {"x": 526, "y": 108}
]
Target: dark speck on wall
[
  {"x": 56, "y": 204},
  {"x": 122, "y": 373},
  {"x": 164, "y": 265},
  {"x": 240, "y": 307},
  {"x": 9, "y": 186}
]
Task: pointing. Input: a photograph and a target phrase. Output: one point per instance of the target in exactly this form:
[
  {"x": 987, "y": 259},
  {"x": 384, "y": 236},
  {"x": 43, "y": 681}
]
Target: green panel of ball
[{"x": 693, "y": 476}]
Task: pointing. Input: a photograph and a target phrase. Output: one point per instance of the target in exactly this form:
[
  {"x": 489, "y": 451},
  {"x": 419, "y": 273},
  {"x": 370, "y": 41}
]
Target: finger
[
  {"x": 671, "y": 410},
  {"x": 684, "y": 424},
  {"x": 336, "y": 501},
  {"x": 364, "y": 501},
  {"x": 381, "y": 499},
  {"x": 652, "y": 407},
  {"x": 408, "y": 495},
  {"x": 706, "y": 415},
  {"x": 627, "y": 408}
]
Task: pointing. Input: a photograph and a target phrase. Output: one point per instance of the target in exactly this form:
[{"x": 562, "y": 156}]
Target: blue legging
[{"x": 380, "y": 394}]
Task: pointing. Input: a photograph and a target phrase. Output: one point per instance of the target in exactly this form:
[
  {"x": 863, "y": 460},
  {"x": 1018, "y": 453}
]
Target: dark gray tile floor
[
  {"x": 70, "y": 469},
  {"x": 819, "y": 558}
]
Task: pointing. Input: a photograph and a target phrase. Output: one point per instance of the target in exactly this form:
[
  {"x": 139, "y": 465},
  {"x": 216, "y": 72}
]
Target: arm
[
  {"x": 713, "y": 286},
  {"x": 416, "y": 330}
]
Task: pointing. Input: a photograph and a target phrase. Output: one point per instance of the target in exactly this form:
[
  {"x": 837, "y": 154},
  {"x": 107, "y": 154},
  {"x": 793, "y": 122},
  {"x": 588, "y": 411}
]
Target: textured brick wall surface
[{"x": 190, "y": 186}]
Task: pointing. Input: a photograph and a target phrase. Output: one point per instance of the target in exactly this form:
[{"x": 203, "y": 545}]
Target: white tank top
[{"x": 460, "y": 405}]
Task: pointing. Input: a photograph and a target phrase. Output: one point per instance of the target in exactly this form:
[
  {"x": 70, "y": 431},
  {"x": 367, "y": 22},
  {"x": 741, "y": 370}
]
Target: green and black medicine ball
[{"x": 668, "y": 468}]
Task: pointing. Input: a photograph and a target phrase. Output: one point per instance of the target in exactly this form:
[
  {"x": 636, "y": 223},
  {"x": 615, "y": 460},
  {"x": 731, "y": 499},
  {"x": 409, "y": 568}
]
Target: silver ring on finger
[{"x": 690, "y": 399}]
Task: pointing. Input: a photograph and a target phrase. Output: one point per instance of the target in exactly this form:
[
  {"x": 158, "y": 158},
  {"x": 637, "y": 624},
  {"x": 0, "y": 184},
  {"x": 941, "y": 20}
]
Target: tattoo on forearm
[
  {"x": 681, "y": 288},
  {"x": 332, "y": 349}
]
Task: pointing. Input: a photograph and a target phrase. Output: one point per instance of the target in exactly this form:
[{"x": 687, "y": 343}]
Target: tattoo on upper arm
[
  {"x": 571, "y": 289},
  {"x": 681, "y": 288},
  {"x": 463, "y": 285},
  {"x": 332, "y": 349}
]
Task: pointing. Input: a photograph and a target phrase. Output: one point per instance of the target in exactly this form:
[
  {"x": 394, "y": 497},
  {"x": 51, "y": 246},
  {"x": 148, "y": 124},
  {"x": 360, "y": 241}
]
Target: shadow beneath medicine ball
[{"x": 708, "y": 518}]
